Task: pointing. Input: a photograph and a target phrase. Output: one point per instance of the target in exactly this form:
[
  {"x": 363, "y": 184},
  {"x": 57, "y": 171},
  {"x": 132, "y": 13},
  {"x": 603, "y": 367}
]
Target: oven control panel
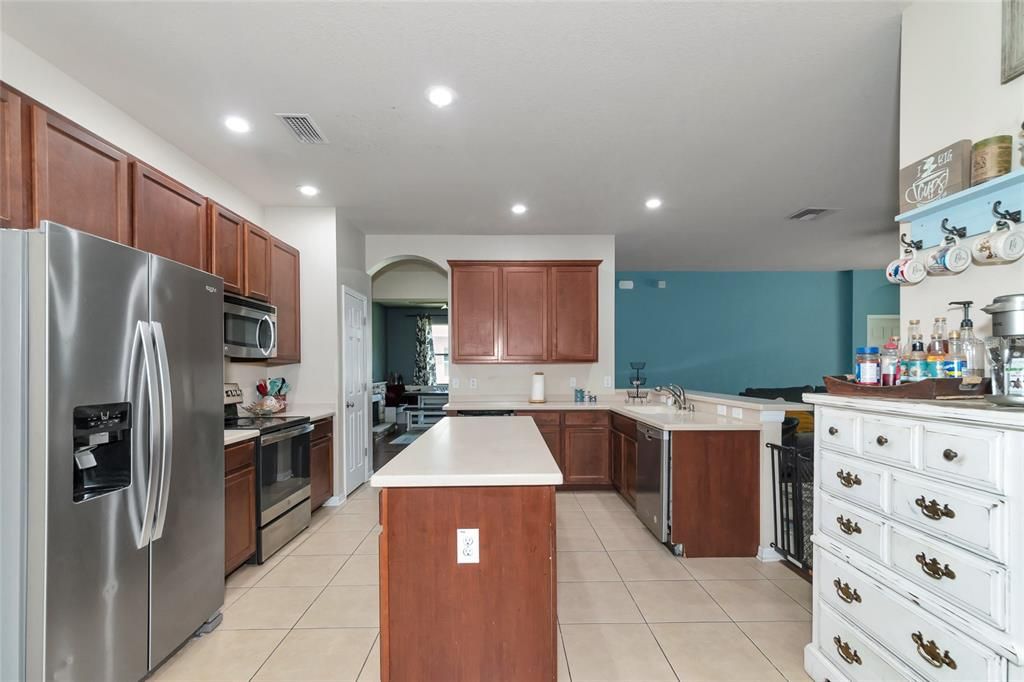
[{"x": 232, "y": 394}]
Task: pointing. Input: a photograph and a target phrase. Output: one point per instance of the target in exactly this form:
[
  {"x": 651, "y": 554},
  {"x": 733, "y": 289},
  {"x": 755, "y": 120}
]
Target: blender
[{"x": 1006, "y": 350}]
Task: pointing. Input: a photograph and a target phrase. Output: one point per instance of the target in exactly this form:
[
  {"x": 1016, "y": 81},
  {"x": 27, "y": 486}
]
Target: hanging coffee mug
[
  {"x": 950, "y": 258},
  {"x": 1004, "y": 243},
  {"x": 906, "y": 270}
]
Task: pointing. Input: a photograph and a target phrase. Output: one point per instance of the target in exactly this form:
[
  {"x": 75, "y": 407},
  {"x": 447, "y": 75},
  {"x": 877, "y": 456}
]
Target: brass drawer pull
[
  {"x": 881, "y": 440},
  {"x": 832, "y": 431},
  {"x": 949, "y": 455},
  {"x": 848, "y": 526},
  {"x": 845, "y": 592},
  {"x": 933, "y": 511},
  {"x": 929, "y": 651},
  {"x": 848, "y": 478},
  {"x": 848, "y": 653},
  {"x": 932, "y": 569}
]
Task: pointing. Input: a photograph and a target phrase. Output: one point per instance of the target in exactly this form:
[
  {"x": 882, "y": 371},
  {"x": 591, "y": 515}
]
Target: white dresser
[{"x": 918, "y": 541}]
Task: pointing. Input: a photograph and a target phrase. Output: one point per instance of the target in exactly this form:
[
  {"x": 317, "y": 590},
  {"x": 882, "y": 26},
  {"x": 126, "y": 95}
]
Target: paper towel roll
[{"x": 537, "y": 390}]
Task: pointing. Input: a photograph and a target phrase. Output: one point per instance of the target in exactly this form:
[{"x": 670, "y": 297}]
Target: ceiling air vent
[
  {"x": 304, "y": 128},
  {"x": 811, "y": 213}
]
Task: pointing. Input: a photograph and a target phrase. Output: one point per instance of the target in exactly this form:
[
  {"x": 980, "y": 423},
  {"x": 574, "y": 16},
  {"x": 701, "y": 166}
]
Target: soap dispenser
[{"x": 973, "y": 347}]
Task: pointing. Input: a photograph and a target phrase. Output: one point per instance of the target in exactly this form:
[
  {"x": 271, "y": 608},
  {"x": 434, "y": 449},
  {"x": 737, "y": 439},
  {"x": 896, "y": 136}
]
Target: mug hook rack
[
  {"x": 1013, "y": 216},
  {"x": 960, "y": 232},
  {"x": 911, "y": 243}
]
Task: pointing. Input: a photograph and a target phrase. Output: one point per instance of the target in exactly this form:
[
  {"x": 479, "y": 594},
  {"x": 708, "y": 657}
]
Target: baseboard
[
  {"x": 767, "y": 554},
  {"x": 334, "y": 501}
]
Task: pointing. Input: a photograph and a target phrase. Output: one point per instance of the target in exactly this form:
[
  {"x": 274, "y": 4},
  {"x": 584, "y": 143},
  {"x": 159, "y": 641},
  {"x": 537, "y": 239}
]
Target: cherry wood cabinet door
[
  {"x": 321, "y": 471},
  {"x": 78, "y": 180},
  {"x": 13, "y": 190},
  {"x": 586, "y": 455},
  {"x": 574, "y": 313},
  {"x": 168, "y": 218},
  {"x": 284, "y": 294},
  {"x": 257, "y": 262},
  {"x": 552, "y": 435},
  {"x": 227, "y": 247},
  {"x": 474, "y": 313},
  {"x": 525, "y": 313},
  {"x": 239, "y": 517}
]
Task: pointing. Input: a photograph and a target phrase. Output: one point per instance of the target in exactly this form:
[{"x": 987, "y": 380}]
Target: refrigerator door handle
[
  {"x": 142, "y": 343},
  {"x": 167, "y": 432}
]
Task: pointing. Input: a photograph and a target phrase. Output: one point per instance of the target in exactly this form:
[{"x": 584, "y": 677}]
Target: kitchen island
[{"x": 467, "y": 554}]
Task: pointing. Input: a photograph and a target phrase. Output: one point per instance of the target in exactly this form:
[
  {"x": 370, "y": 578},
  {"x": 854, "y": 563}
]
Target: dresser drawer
[
  {"x": 888, "y": 439},
  {"x": 929, "y": 647},
  {"x": 852, "y": 479},
  {"x": 972, "y": 456},
  {"x": 838, "y": 429},
  {"x": 976, "y": 585},
  {"x": 542, "y": 417},
  {"x": 960, "y": 516},
  {"x": 854, "y": 654},
  {"x": 852, "y": 526}
]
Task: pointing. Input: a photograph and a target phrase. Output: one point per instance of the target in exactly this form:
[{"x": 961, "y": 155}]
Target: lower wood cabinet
[
  {"x": 239, "y": 504},
  {"x": 623, "y": 448},
  {"x": 321, "y": 463},
  {"x": 552, "y": 435},
  {"x": 587, "y": 457}
]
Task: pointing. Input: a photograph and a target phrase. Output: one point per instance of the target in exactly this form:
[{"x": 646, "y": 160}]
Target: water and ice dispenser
[{"x": 102, "y": 457}]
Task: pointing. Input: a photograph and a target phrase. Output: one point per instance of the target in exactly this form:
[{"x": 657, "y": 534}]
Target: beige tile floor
[{"x": 628, "y": 609}]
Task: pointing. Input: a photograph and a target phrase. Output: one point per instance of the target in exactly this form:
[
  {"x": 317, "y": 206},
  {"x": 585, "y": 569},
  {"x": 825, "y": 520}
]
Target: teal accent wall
[
  {"x": 399, "y": 352},
  {"x": 379, "y": 324},
  {"x": 726, "y": 331},
  {"x": 872, "y": 295}
]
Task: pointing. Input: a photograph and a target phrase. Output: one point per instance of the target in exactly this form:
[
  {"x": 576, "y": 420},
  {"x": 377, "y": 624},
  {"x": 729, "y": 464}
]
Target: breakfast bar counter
[{"x": 467, "y": 554}]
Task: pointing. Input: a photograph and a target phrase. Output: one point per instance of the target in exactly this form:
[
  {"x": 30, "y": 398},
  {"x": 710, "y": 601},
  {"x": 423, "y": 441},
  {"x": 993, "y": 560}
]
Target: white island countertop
[
  {"x": 486, "y": 451},
  {"x": 658, "y": 416}
]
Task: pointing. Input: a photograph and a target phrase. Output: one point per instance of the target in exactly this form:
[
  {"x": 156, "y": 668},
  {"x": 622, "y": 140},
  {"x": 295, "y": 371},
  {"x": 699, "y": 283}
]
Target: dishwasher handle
[{"x": 645, "y": 432}]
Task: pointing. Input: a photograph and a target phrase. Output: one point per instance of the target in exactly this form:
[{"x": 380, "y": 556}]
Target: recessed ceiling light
[
  {"x": 441, "y": 96},
  {"x": 309, "y": 190},
  {"x": 653, "y": 203},
  {"x": 519, "y": 209},
  {"x": 237, "y": 124}
]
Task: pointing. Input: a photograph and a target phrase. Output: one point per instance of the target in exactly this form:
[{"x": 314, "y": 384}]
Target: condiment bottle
[
  {"x": 917, "y": 363},
  {"x": 867, "y": 369},
  {"x": 889, "y": 362},
  {"x": 935, "y": 358},
  {"x": 973, "y": 348},
  {"x": 940, "y": 333},
  {"x": 955, "y": 362}
]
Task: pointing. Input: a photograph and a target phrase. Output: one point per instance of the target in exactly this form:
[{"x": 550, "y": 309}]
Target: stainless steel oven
[
  {"x": 282, "y": 472},
  {"x": 250, "y": 328}
]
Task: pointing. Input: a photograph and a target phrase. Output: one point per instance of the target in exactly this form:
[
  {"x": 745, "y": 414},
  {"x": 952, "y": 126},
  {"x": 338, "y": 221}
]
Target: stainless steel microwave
[{"x": 250, "y": 328}]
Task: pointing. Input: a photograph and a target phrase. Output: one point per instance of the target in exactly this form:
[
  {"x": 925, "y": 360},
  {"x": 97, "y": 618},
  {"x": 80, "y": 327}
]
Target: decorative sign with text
[{"x": 937, "y": 175}]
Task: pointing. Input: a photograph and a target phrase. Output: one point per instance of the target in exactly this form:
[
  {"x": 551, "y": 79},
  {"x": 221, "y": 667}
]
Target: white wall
[
  {"x": 410, "y": 281},
  {"x": 25, "y": 70},
  {"x": 496, "y": 381},
  {"x": 950, "y": 90}
]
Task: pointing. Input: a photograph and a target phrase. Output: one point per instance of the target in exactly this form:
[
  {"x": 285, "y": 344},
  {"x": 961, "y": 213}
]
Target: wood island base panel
[{"x": 444, "y": 620}]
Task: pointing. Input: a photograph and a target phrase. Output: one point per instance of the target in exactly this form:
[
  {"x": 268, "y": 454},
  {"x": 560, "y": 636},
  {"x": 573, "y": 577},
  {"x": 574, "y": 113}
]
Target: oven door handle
[{"x": 279, "y": 436}]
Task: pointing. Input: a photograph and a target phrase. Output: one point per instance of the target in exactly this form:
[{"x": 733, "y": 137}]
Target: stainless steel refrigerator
[{"x": 117, "y": 443}]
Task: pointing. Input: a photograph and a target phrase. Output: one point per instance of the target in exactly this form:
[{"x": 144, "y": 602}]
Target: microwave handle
[{"x": 273, "y": 336}]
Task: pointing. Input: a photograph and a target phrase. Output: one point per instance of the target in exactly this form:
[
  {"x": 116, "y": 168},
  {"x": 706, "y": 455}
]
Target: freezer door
[
  {"x": 97, "y": 560},
  {"x": 188, "y": 534}
]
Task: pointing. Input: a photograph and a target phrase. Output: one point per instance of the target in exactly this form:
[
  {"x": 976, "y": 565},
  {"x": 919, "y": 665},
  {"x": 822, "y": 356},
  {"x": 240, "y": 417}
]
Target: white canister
[
  {"x": 537, "y": 388},
  {"x": 951, "y": 258},
  {"x": 1004, "y": 243}
]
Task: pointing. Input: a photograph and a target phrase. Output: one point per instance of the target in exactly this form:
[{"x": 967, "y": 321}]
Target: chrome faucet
[{"x": 678, "y": 394}]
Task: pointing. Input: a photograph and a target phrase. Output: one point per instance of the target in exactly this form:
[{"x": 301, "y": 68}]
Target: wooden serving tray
[{"x": 928, "y": 389}]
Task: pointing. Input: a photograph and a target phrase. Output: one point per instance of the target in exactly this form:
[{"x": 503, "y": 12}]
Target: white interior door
[
  {"x": 881, "y": 327},
  {"x": 357, "y": 443}
]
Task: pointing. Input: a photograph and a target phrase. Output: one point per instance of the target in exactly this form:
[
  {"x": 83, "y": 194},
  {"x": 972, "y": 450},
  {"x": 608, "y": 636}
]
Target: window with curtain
[{"x": 440, "y": 335}]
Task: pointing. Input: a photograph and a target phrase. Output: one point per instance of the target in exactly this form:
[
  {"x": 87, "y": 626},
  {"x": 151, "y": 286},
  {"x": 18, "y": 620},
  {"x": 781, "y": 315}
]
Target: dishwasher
[{"x": 654, "y": 482}]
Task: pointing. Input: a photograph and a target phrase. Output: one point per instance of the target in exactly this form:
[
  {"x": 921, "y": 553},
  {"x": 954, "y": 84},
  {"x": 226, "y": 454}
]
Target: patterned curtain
[{"x": 426, "y": 368}]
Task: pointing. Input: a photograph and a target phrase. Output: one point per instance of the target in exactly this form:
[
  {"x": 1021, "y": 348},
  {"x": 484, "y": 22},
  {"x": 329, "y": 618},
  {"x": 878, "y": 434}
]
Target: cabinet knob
[
  {"x": 832, "y": 430},
  {"x": 949, "y": 455},
  {"x": 881, "y": 440}
]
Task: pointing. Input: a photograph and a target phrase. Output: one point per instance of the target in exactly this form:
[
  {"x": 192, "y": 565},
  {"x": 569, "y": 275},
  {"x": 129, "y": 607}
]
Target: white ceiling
[{"x": 735, "y": 114}]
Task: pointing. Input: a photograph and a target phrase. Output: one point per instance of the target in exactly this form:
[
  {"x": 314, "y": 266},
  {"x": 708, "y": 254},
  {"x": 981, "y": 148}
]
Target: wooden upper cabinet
[
  {"x": 256, "y": 275},
  {"x": 525, "y": 306},
  {"x": 474, "y": 313},
  {"x": 284, "y": 294},
  {"x": 227, "y": 247},
  {"x": 574, "y": 313},
  {"x": 13, "y": 190},
  {"x": 168, "y": 218},
  {"x": 78, "y": 180}
]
